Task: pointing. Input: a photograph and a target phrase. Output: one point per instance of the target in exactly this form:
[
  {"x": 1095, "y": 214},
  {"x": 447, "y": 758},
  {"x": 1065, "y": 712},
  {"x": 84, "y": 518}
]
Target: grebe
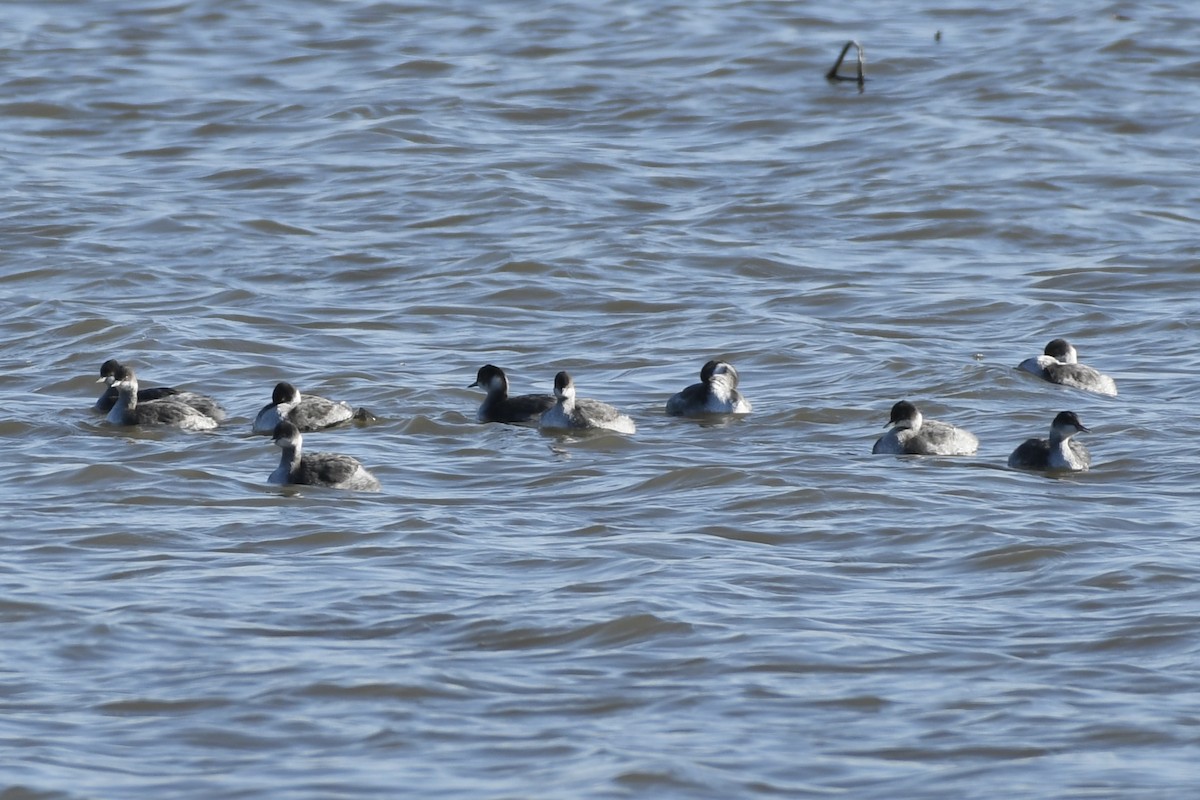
[
  {"x": 165, "y": 411},
  {"x": 912, "y": 434},
  {"x": 202, "y": 403},
  {"x": 1059, "y": 452},
  {"x": 499, "y": 407},
  {"x": 308, "y": 412},
  {"x": 582, "y": 413},
  {"x": 317, "y": 469},
  {"x": 717, "y": 393},
  {"x": 1059, "y": 363}
]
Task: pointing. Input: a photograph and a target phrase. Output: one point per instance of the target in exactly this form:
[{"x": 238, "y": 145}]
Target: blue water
[{"x": 372, "y": 200}]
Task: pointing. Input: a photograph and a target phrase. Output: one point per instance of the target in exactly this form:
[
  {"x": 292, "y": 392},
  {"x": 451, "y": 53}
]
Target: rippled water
[{"x": 374, "y": 199}]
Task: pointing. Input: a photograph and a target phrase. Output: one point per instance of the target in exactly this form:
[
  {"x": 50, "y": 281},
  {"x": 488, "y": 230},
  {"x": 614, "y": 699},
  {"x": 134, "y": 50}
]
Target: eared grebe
[
  {"x": 202, "y": 403},
  {"x": 1059, "y": 452},
  {"x": 717, "y": 393},
  {"x": 317, "y": 469},
  {"x": 308, "y": 413},
  {"x": 499, "y": 407},
  {"x": 582, "y": 413},
  {"x": 1060, "y": 364},
  {"x": 108, "y": 398},
  {"x": 912, "y": 434},
  {"x": 164, "y": 411}
]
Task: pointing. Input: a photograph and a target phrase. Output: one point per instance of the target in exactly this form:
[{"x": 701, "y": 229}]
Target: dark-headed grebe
[
  {"x": 716, "y": 393},
  {"x": 307, "y": 412},
  {"x": 582, "y": 413},
  {"x": 317, "y": 469},
  {"x": 912, "y": 434},
  {"x": 201, "y": 402},
  {"x": 1060, "y": 364},
  {"x": 165, "y": 411},
  {"x": 499, "y": 407},
  {"x": 1059, "y": 452}
]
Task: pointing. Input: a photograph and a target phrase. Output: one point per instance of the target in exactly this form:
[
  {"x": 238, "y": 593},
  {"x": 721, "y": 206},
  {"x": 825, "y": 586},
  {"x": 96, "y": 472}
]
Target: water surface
[{"x": 374, "y": 199}]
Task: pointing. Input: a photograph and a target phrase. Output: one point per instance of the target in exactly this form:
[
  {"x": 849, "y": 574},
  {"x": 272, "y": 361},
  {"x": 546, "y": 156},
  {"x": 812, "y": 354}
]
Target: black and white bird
[
  {"x": 332, "y": 470},
  {"x": 307, "y": 412},
  {"x": 716, "y": 393},
  {"x": 569, "y": 412},
  {"x": 1059, "y": 363},
  {"x": 129, "y": 410},
  {"x": 497, "y": 406},
  {"x": 1058, "y": 452},
  {"x": 201, "y": 402},
  {"x": 912, "y": 434}
]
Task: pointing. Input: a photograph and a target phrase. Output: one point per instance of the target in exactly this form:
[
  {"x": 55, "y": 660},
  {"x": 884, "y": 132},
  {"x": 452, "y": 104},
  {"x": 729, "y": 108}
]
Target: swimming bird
[
  {"x": 912, "y": 434},
  {"x": 333, "y": 470},
  {"x": 582, "y": 413},
  {"x": 308, "y": 412},
  {"x": 201, "y": 402},
  {"x": 108, "y": 397},
  {"x": 1059, "y": 452},
  {"x": 717, "y": 393},
  {"x": 497, "y": 406},
  {"x": 1059, "y": 363},
  {"x": 128, "y": 410}
]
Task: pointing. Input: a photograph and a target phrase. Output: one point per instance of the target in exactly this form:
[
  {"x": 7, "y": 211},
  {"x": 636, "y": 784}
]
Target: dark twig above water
[{"x": 833, "y": 75}]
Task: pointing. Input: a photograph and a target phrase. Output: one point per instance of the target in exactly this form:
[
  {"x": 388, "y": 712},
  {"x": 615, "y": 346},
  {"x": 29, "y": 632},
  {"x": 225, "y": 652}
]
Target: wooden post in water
[{"x": 833, "y": 75}]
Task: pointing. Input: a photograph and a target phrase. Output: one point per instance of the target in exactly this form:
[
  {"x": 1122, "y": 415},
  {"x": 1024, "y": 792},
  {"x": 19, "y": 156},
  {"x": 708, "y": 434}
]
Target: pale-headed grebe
[
  {"x": 165, "y": 411},
  {"x": 201, "y": 402},
  {"x": 497, "y": 406},
  {"x": 582, "y": 413},
  {"x": 912, "y": 434},
  {"x": 717, "y": 393},
  {"x": 317, "y": 469},
  {"x": 1059, "y": 363},
  {"x": 1059, "y": 452},
  {"x": 307, "y": 412}
]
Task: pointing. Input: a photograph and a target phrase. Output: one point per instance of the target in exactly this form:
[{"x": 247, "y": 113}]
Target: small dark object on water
[
  {"x": 937, "y": 37},
  {"x": 833, "y": 75}
]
